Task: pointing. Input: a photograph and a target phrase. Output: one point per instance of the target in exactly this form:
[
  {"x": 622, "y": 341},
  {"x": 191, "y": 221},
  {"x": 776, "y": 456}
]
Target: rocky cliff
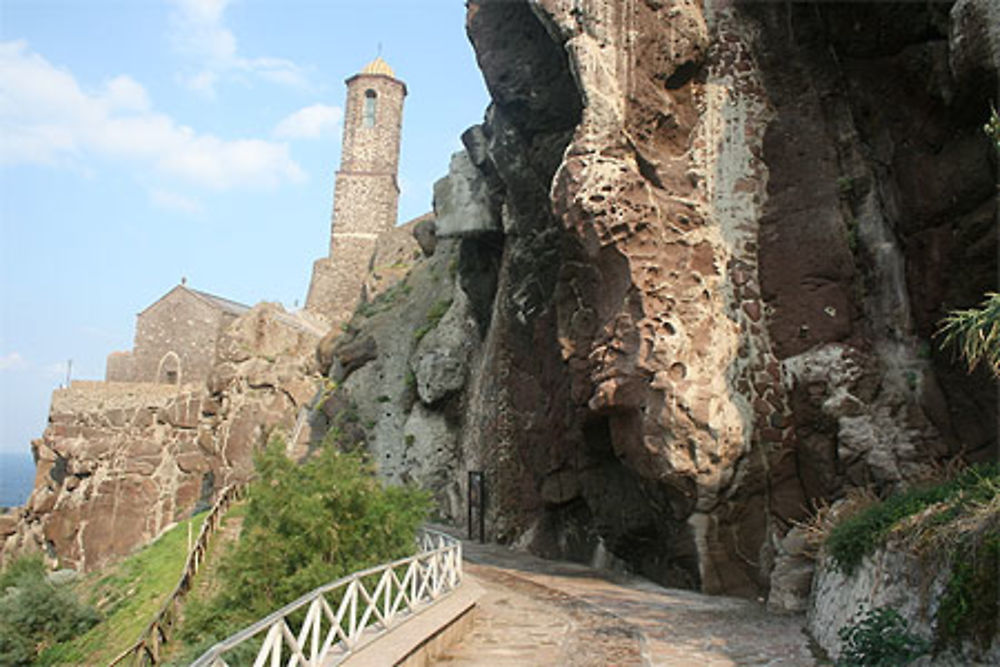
[
  {"x": 120, "y": 462},
  {"x": 680, "y": 285},
  {"x": 687, "y": 275}
]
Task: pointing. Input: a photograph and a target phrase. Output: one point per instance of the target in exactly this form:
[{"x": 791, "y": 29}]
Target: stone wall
[
  {"x": 120, "y": 462},
  {"x": 120, "y": 367},
  {"x": 337, "y": 284},
  {"x": 94, "y": 395}
]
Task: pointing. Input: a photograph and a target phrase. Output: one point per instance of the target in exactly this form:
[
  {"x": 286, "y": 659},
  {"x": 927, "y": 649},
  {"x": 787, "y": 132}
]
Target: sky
[{"x": 142, "y": 141}]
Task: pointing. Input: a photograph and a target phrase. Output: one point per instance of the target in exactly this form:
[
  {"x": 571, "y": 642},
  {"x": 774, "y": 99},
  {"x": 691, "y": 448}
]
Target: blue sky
[{"x": 142, "y": 141}]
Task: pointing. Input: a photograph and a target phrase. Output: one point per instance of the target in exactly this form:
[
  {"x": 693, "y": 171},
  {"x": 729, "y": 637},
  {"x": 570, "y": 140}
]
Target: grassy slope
[
  {"x": 953, "y": 525},
  {"x": 206, "y": 584},
  {"x": 128, "y": 595}
]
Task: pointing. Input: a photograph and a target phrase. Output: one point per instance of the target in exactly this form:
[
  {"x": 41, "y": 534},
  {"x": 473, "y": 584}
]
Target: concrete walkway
[{"x": 539, "y": 612}]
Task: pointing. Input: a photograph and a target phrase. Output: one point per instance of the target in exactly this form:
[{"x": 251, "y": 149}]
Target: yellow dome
[{"x": 378, "y": 66}]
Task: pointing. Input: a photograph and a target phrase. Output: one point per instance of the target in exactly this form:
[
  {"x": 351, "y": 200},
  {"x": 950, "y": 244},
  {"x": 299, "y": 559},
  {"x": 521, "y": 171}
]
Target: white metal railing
[{"x": 351, "y": 611}]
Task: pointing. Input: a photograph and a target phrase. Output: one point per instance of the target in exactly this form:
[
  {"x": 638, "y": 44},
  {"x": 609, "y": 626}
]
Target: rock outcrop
[
  {"x": 720, "y": 309},
  {"x": 913, "y": 584},
  {"x": 120, "y": 462},
  {"x": 700, "y": 253}
]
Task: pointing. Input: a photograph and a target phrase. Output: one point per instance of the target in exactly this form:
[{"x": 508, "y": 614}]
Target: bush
[
  {"x": 306, "y": 525},
  {"x": 879, "y": 637},
  {"x": 35, "y": 614}
]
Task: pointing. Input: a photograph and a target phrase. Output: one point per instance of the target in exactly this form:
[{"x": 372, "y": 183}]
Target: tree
[{"x": 306, "y": 525}]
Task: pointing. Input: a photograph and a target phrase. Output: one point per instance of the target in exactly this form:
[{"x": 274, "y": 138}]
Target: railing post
[
  {"x": 387, "y": 595},
  {"x": 317, "y": 621},
  {"x": 276, "y": 646},
  {"x": 354, "y": 610},
  {"x": 414, "y": 574}
]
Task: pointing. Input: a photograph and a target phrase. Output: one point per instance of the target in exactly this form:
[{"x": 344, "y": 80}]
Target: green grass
[
  {"x": 860, "y": 535},
  {"x": 953, "y": 525},
  {"x": 434, "y": 316},
  {"x": 128, "y": 595},
  {"x": 384, "y": 300}
]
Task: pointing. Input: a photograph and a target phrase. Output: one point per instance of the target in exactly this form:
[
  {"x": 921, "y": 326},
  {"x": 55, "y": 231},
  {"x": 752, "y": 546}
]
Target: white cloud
[
  {"x": 126, "y": 94},
  {"x": 12, "y": 361},
  {"x": 310, "y": 122},
  {"x": 47, "y": 118},
  {"x": 173, "y": 201},
  {"x": 198, "y": 33}
]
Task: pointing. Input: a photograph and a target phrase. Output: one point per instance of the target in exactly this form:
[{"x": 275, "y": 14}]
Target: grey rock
[
  {"x": 438, "y": 374},
  {"x": 425, "y": 233},
  {"x": 462, "y": 200}
]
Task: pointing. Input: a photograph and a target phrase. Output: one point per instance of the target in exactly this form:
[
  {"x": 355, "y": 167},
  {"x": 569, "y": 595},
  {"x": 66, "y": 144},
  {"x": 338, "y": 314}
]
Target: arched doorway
[{"x": 169, "y": 371}]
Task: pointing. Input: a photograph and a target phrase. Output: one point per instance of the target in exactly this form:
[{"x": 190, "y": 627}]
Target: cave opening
[{"x": 632, "y": 514}]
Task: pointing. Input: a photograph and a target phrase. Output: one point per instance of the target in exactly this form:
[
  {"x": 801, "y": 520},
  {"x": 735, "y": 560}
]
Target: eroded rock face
[
  {"x": 120, "y": 462},
  {"x": 728, "y": 233}
]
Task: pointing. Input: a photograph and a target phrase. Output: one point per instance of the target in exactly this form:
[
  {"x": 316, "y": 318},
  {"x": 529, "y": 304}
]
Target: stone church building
[{"x": 175, "y": 338}]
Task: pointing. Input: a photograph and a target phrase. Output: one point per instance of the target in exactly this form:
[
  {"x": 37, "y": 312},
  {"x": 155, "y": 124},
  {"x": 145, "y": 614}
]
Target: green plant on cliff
[
  {"x": 35, "y": 613},
  {"x": 434, "y": 316},
  {"x": 970, "y": 606},
  {"x": 860, "y": 535},
  {"x": 953, "y": 530},
  {"x": 976, "y": 333},
  {"x": 879, "y": 637},
  {"x": 992, "y": 127},
  {"x": 306, "y": 525}
]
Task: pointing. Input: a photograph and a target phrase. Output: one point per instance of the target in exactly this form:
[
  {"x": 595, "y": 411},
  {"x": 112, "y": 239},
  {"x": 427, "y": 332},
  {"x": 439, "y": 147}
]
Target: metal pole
[
  {"x": 482, "y": 508},
  {"x": 469, "y": 502}
]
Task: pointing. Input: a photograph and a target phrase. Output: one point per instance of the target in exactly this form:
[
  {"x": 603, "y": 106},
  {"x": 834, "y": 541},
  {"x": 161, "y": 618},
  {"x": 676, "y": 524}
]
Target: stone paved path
[{"x": 539, "y": 612}]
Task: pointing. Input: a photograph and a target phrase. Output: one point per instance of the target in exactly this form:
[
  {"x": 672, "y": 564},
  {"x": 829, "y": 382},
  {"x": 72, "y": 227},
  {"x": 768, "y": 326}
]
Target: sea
[{"x": 17, "y": 477}]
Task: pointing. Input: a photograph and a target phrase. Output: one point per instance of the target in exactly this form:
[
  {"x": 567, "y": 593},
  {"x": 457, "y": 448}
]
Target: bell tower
[{"x": 366, "y": 192}]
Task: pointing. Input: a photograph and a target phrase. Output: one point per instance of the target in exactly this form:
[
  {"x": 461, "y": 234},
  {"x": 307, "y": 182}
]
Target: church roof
[
  {"x": 216, "y": 302},
  {"x": 222, "y": 303},
  {"x": 378, "y": 66}
]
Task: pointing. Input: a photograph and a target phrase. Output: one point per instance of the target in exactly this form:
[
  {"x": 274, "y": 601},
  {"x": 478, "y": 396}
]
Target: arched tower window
[
  {"x": 369, "y": 110},
  {"x": 169, "y": 371}
]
